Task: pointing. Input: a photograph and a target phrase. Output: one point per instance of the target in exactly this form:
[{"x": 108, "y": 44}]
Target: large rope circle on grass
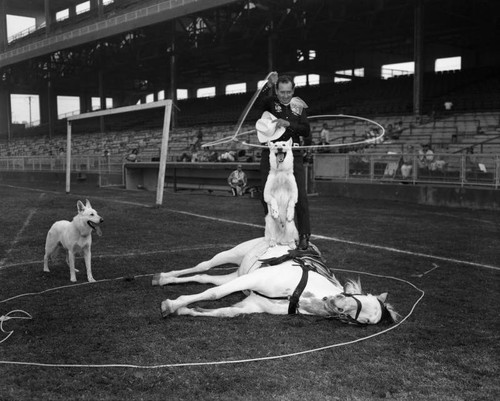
[{"x": 232, "y": 360}]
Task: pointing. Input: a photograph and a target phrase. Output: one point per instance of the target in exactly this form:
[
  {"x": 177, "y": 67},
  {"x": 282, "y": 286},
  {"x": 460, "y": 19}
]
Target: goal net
[{"x": 98, "y": 142}]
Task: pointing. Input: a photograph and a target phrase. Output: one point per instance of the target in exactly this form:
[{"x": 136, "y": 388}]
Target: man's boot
[{"x": 303, "y": 241}]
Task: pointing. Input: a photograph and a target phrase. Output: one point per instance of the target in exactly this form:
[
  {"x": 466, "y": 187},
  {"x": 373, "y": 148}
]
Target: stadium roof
[{"x": 227, "y": 41}]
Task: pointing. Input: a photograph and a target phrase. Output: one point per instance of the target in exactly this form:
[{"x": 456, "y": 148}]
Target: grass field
[{"x": 107, "y": 340}]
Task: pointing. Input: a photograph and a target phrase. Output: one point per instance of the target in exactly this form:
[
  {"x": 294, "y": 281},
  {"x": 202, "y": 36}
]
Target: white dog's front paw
[{"x": 73, "y": 279}]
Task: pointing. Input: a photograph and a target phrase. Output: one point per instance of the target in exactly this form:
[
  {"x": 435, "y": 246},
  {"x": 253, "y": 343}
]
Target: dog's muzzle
[
  {"x": 95, "y": 227},
  {"x": 280, "y": 155}
]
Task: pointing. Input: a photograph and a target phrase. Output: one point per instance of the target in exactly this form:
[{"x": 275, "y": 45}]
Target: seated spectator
[
  {"x": 228, "y": 156},
  {"x": 398, "y": 130},
  {"x": 237, "y": 180},
  {"x": 389, "y": 131},
  {"x": 132, "y": 156},
  {"x": 324, "y": 135},
  {"x": 425, "y": 156},
  {"x": 407, "y": 163}
]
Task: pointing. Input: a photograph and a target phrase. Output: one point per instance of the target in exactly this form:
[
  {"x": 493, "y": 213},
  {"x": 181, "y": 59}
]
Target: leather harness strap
[{"x": 294, "y": 298}]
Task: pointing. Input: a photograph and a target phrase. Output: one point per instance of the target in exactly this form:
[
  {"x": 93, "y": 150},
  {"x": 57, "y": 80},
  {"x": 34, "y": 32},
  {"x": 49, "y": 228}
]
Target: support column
[
  {"x": 102, "y": 98},
  {"x": 418, "y": 77},
  {"x": 271, "y": 50},
  {"x": 5, "y": 114},
  {"x": 49, "y": 17},
  {"x": 172, "y": 90},
  {"x": 3, "y": 27},
  {"x": 48, "y": 105}
]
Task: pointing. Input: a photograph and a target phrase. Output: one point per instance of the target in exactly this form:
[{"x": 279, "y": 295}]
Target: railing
[
  {"x": 464, "y": 170},
  {"x": 108, "y": 168}
]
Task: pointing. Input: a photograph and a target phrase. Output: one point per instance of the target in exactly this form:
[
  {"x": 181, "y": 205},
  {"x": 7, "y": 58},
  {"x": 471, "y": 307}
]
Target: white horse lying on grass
[{"x": 278, "y": 281}]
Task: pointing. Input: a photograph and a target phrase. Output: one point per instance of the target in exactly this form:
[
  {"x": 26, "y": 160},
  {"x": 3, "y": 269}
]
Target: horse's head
[{"x": 354, "y": 307}]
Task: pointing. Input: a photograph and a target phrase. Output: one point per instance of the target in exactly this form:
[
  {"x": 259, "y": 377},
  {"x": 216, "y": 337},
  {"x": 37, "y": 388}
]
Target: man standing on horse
[{"x": 290, "y": 114}]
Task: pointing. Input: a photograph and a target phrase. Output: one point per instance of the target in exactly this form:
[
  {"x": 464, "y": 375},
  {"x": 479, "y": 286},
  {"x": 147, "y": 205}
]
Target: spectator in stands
[
  {"x": 324, "y": 135},
  {"x": 291, "y": 122},
  {"x": 229, "y": 156},
  {"x": 425, "y": 156},
  {"x": 398, "y": 130},
  {"x": 132, "y": 156},
  {"x": 448, "y": 105},
  {"x": 237, "y": 180},
  {"x": 407, "y": 162},
  {"x": 389, "y": 131}
]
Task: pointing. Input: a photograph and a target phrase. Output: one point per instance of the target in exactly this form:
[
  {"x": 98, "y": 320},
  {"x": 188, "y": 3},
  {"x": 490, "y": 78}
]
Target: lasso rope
[
  {"x": 374, "y": 140},
  {"x": 8, "y": 316},
  {"x": 210, "y": 363},
  {"x": 234, "y": 138}
]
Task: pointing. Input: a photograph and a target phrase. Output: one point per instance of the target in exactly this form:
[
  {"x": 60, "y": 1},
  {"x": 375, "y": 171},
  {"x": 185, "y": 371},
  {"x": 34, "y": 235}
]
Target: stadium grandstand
[{"x": 431, "y": 68}]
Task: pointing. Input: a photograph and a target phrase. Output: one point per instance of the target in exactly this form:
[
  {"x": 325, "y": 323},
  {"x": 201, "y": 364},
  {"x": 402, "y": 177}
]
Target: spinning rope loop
[
  {"x": 377, "y": 139},
  {"x": 248, "y": 107}
]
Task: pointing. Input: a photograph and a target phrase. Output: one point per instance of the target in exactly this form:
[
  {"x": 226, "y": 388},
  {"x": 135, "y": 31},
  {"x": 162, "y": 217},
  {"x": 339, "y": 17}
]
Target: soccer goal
[{"x": 104, "y": 131}]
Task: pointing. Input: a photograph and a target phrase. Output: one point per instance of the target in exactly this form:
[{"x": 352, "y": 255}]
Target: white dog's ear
[
  {"x": 289, "y": 142},
  {"x": 87, "y": 204},
  {"x": 270, "y": 145},
  {"x": 80, "y": 206}
]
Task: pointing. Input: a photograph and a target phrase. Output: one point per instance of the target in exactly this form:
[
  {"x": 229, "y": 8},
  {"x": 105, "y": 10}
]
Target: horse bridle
[
  {"x": 346, "y": 318},
  {"x": 293, "y": 299}
]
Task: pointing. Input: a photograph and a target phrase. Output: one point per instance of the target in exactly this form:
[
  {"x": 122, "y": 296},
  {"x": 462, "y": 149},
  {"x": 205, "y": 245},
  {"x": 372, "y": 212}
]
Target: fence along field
[{"x": 445, "y": 350}]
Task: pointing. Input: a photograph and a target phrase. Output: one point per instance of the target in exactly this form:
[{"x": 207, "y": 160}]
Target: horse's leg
[
  {"x": 234, "y": 256},
  {"x": 199, "y": 278},
  {"x": 262, "y": 280},
  {"x": 251, "y": 304}
]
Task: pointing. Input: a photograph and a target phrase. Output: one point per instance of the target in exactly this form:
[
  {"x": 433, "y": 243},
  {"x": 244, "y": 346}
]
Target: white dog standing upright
[
  {"x": 280, "y": 194},
  {"x": 75, "y": 237}
]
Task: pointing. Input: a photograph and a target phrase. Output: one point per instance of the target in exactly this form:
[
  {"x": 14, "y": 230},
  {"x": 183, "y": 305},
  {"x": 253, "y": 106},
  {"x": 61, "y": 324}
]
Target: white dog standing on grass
[
  {"x": 281, "y": 194},
  {"x": 75, "y": 237}
]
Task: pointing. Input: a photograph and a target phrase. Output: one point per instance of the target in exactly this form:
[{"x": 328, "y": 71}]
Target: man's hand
[
  {"x": 281, "y": 123},
  {"x": 273, "y": 78}
]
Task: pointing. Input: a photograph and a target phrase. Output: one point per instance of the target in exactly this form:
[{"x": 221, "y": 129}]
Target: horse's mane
[{"x": 353, "y": 286}]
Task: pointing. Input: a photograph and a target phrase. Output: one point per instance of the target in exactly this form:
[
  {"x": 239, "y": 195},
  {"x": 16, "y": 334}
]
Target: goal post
[{"x": 166, "y": 104}]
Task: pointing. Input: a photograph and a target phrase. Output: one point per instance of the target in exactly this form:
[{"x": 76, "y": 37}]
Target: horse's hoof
[
  {"x": 156, "y": 279},
  {"x": 166, "y": 308}
]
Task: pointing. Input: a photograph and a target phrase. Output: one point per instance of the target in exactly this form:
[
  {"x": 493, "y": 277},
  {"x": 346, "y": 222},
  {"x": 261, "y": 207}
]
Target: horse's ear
[
  {"x": 79, "y": 206},
  {"x": 382, "y": 297}
]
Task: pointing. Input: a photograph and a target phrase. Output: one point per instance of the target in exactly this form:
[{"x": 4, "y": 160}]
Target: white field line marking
[
  {"x": 323, "y": 237},
  {"x": 131, "y": 254},
  {"x": 19, "y": 233},
  {"x": 384, "y": 248}
]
